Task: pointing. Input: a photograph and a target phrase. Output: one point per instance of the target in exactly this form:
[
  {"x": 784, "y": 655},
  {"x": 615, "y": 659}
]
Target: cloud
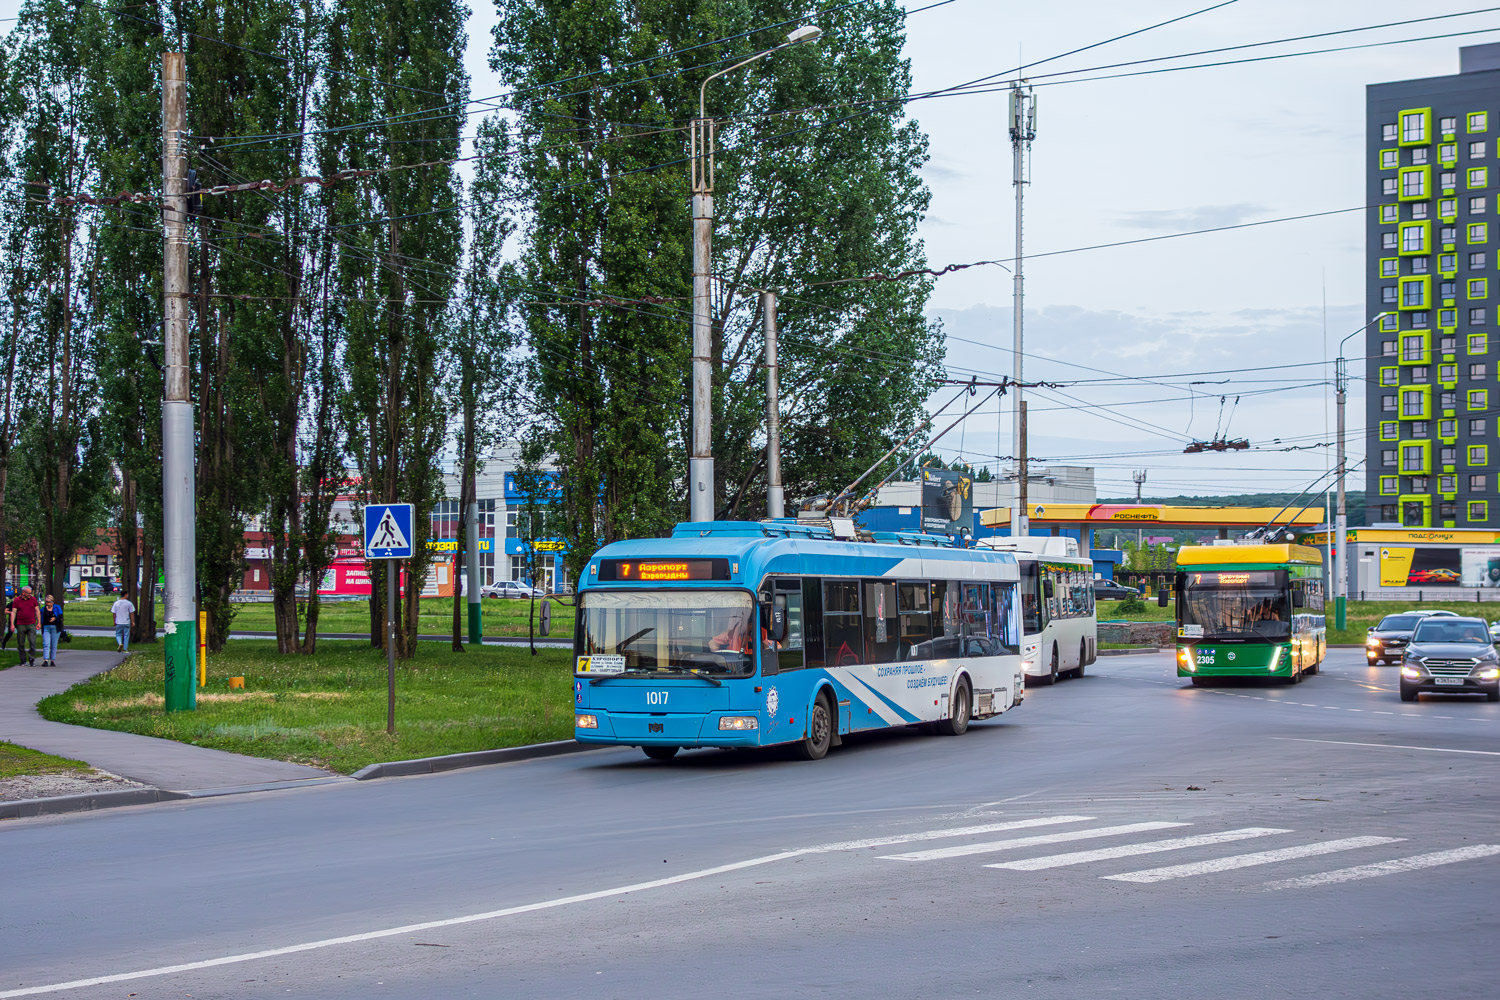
[{"x": 1192, "y": 219}]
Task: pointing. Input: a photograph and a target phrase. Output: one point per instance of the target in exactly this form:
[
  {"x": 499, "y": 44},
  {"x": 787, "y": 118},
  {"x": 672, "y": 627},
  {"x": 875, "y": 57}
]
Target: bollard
[{"x": 203, "y": 650}]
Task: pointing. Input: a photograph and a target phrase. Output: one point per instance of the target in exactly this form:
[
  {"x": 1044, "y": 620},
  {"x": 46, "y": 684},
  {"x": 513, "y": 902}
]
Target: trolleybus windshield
[
  {"x": 1250, "y": 604},
  {"x": 661, "y": 632}
]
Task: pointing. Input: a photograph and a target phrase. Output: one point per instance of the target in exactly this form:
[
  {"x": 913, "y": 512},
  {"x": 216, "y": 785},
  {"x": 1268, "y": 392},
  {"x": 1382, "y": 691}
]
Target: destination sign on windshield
[
  {"x": 1234, "y": 578},
  {"x": 662, "y": 570}
]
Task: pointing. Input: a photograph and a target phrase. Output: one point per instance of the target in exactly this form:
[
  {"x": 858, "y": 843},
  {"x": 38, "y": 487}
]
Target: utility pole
[
  {"x": 775, "y": 498},
  {"x": 1022, "y": 132},
  {"x": 179, "y": 515},
  {"x": 1341, "y": 516},
  {"x": 700, "y": 456},
  {"x": 471, "y": 544},
  {"x": 1139, "y": 475},
  {"x": 1022, "y": 479}
]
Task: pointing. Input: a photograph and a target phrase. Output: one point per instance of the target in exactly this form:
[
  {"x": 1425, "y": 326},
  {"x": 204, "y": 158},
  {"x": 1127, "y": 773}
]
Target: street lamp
[
  {"x": 1341, "y": 521},
  {"x": 701, "y": 148}
]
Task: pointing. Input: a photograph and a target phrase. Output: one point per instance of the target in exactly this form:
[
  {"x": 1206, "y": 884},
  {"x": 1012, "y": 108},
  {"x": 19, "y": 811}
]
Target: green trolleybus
[{"x": 1249, "y": 611}]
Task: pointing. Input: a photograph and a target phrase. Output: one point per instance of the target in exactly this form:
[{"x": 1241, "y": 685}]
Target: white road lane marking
[
  {"x": 511, "y": 911},
  {"x": 1130, "y": 850},
  {"x": 1250, "y": 860},
  {"x": 992, "y": 846},
  {"x": 1395, "y": 867},
  {"x": 1389, "y": 746}
]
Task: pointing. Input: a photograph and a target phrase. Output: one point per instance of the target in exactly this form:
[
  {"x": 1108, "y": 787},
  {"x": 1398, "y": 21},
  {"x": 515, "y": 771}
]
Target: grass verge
[
  {"x": 329, "y": 709},
  {"x": 22, "y": 762},
  {"x": 435, "y": 617}
]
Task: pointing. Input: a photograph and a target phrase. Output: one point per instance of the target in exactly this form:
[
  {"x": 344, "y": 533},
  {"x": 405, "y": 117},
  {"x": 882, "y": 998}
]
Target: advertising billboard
[
  {"x": 1481, "y": 567},
  {"x": 947, "y": 501},
  {"x": 1403, "y": 566}
]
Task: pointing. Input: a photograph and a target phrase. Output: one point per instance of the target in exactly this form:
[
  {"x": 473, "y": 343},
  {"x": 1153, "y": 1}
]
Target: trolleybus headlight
[
  {"x": 1275, "y": 660},
  {"x": 586, "y": 721},
  {"x": 1409, "y": 672},
  {"x": 1185, "y": 657},
  {"x": 739, "y": 722}
]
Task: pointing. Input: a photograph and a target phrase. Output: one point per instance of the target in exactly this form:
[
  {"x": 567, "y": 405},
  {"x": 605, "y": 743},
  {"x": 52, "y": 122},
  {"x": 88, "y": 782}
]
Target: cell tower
[{"x": 1022, "y": 132}]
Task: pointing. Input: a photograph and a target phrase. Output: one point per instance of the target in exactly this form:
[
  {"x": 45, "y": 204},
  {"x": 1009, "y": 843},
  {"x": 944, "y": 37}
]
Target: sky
[{"x": 1130, "y": 158}]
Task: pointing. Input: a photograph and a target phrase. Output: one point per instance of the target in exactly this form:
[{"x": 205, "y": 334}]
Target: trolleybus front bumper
[
  {"x": 1235, "y": 660},
  {"x": 678, "y": 729}
]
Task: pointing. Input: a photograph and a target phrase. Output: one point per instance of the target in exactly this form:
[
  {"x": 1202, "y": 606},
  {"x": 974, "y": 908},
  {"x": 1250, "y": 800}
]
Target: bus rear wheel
[
  {"x": 957, "y": 722},
  {"x": 814, "y": 746},
  {"x": 1083, "y": 657},
  {"x": 661, "y": 753}
]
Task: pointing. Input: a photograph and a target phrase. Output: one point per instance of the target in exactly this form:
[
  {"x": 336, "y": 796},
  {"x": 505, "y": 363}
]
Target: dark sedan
[
  {"x": 1386, "y": 641},
  {"x": 1108, "y": 590},
  {"x": 1450, "y": 656}
]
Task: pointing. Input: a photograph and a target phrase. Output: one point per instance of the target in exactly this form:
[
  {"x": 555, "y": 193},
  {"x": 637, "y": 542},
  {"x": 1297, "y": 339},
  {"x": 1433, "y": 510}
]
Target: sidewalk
[{"x": 164, "y": 764}]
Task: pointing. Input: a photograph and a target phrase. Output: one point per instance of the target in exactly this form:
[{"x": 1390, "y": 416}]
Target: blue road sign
[{"x": 388, "y": 531}]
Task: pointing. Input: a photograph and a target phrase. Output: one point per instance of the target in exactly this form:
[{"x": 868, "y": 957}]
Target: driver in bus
[{"x": 734, "y": 639}]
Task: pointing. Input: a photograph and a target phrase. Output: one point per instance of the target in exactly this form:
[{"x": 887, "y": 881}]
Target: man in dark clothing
[
  {"x": 10, "y": 602},
  {"x": 23, "y": 619}
]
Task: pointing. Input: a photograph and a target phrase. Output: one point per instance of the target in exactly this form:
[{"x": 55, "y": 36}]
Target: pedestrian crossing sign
[{"x": 388, "y": 531}]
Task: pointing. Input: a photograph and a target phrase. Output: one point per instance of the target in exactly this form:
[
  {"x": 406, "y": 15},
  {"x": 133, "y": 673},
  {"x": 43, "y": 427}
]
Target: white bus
[{"x": 1059, "y": 631}]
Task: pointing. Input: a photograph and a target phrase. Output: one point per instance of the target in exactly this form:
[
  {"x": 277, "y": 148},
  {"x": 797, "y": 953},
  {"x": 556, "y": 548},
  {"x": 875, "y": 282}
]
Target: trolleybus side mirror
[
  {"x": 1299, "y": 599},
  {"x": 1047, "y": 588},
  {"x": 546, "y": 618},
  {"x": 776, "y": 618},
  {"x": 1162, "y": 598}
]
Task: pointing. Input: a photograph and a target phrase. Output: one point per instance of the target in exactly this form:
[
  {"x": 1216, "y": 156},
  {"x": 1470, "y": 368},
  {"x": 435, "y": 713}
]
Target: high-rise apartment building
[{"x": 1431, "y": 380}]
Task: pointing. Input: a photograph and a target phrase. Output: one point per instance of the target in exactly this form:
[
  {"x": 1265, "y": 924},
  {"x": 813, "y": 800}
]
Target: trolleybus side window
[
  {"x": 1031, "y": 598},
  {"x": 882, "y": 625},
  {"x": 843, "y": 636},
  {"x": 786, "y": 655},
  {"x": 976, "y": 615},
  {"x": 914, "y": 601},
  {"x": 1003, "y": 618},
  {"x": 812, "y": 623}
]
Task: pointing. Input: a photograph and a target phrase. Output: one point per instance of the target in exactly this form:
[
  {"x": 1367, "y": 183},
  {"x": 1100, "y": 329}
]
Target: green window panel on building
[
  {"x": 1414, "y": 238},
  {"x": 1414, "y": 183},
  {"x": 1414, "y": 127},
  {"x": 1415, "y": 292},
  {"x": 1478, "y": 121},
  {"x": 1416, "y": 458}
]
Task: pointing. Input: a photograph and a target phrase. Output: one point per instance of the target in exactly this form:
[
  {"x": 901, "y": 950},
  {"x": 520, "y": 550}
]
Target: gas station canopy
[{"x": 1095, "y": 514}]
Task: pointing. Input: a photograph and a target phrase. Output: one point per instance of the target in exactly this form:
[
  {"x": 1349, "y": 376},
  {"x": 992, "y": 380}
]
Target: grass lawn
[
  {"x": 1108, "y": 610},
  {"x": 501, "y": 617},
  {"x": 19, "y": 762},
  {"x": 329, "y": 710}
]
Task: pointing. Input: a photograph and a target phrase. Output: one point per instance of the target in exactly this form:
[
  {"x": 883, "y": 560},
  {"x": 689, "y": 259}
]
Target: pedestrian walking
[
  {"x": 23, "y": 619},
  {"x": 124, "y": 613},
  {"x": 10, "y": 629},
  {"x": 52, "y": 624}
]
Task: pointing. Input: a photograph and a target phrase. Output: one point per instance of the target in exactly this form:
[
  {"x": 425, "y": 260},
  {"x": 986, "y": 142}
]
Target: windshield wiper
[{"x": 620, "y": 646}]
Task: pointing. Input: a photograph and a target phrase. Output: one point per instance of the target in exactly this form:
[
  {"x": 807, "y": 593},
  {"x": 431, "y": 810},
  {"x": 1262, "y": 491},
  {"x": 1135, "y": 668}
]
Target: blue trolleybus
[{"x": 743, "y": 634}]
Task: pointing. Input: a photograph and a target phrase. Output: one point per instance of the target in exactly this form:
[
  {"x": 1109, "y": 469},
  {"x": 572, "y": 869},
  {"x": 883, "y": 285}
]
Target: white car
[{"x": 509, "y": 589}]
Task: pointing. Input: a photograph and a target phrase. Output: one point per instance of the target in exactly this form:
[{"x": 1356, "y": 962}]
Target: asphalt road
[{"x": 1119, "y": 835}]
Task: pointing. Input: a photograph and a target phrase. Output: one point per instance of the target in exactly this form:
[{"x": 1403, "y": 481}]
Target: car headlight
[
  {"x": 586, "y": 721},
  {"x": 1488, "y": 673},
  {"x": 739, "y": 722},
  {"x": 1410, "y": 672},
  {"x": 1372, "y": 641}
]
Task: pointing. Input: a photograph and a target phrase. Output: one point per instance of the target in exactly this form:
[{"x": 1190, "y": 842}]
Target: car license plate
[{"x": 1454, "y": 681}]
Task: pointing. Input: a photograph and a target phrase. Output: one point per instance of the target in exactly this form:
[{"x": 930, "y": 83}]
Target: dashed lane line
[
  {"x": 993, "y": 846},
  {"x": 1132, "y": 850},
  {"x": 1394, "y": 867},
  {"x": 1235, "y": 861}
]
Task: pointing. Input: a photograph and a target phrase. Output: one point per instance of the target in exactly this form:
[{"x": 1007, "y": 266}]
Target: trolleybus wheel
[
  {"x": 1083, "y": 657},
  {"x": 814, "y": 745},
  {"x": 958, "y": 719},
  {"x": 1199, "y": 682},
  {"x": 661, "y": 753},
  {"x": 1051, "y": 678}
]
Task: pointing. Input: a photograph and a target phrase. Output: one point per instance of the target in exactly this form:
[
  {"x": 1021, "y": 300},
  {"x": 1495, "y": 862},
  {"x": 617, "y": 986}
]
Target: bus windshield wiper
[
  {"x": 620, "y": 646},
  {"x": 704, "y": 677}
]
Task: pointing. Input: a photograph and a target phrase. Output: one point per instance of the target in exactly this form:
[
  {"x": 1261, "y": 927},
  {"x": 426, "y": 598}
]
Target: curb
[
  {"x": 478, "y": 758},
  {"x": 1130, "y": 652},
  {"x": 87, "y": 802}
]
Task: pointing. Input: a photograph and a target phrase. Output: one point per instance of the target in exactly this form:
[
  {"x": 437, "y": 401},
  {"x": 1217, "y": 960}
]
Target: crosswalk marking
[
  {"x": 1250, "y": 860},
  {"x": 1394, "y": 867},
  {"x": 1048, "y": 838},
  {"x": 1129, "y": 850}
]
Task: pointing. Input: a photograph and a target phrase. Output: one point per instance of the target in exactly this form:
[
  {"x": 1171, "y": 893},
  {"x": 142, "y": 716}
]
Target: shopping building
[{"x": 1430, "y": 242}]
